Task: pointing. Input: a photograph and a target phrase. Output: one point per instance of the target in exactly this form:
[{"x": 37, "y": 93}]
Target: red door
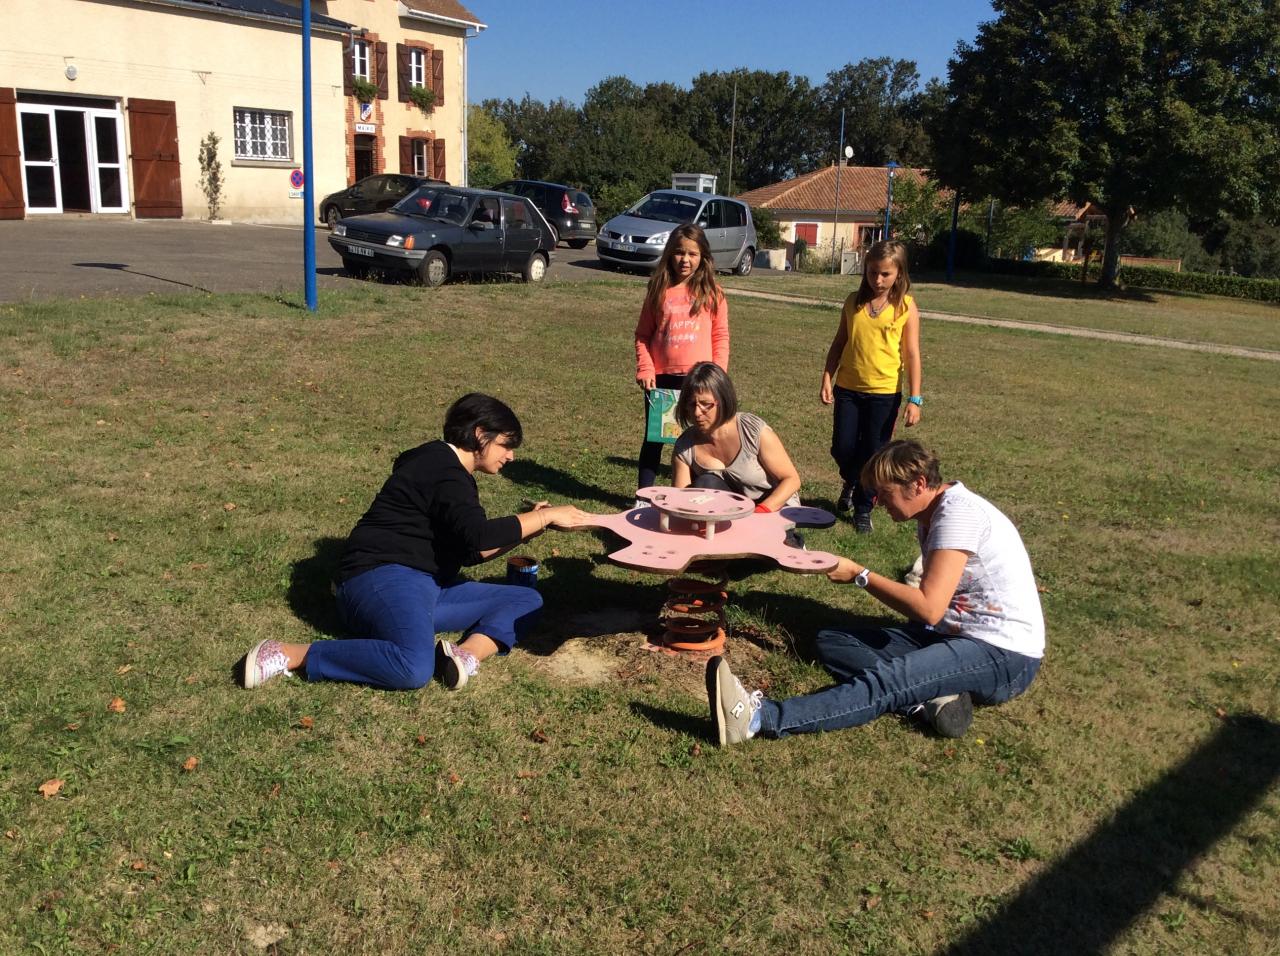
[
  {"x": 153, "y": 141},
  {"x": 11, "y": 205}
]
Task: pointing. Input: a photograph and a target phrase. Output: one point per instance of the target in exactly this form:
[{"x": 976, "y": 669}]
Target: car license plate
[
  {"x": 360, "y": 251},
  {"x": 624, "y": 247}
]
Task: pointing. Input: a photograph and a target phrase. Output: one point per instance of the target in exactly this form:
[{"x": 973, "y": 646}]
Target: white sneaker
[
  {"x": 264, "y": 662},
  {"x": 734, "y": 710},
  {"x": 458, "y": 667}
]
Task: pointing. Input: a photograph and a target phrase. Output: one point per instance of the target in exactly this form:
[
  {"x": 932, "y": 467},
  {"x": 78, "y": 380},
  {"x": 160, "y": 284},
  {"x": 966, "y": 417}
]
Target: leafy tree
[
  {"x": 773, "y": 135},
  {"x": 1248, "y": 247},
  {"x": 544, "y": 134},
  {"x": 877, "y": 96},
  {"x": 921, "y": 209},
  {"x": 1167, "y": 235},
  {"x": 491, "y": 156},
  {"x": 1133, "y": 104}
]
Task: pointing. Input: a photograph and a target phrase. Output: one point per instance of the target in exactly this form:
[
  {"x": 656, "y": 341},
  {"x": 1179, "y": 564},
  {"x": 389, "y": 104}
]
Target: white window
[
  {"x": 420, "y": 147},
  {"x": 360, "y": 59},
  {"x": 418, "y": 67},
  {"x": 263, "y": 134}
]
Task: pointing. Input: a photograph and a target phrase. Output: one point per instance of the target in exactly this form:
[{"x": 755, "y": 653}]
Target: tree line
[{"x": 1163, "y": 113}]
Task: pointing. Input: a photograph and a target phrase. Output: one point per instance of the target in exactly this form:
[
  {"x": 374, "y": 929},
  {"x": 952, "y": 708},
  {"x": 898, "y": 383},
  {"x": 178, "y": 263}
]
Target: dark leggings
[
  {"x": 862, "y": 425},
  {"x": 651, "y": 451}
]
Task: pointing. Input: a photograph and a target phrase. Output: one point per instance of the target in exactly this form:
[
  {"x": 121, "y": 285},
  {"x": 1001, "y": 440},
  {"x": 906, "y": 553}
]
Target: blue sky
[{"x": 553, "y": 48}]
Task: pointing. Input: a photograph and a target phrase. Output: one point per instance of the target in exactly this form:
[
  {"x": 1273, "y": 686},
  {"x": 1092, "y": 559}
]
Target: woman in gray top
[{"x": 727, "y": 449}]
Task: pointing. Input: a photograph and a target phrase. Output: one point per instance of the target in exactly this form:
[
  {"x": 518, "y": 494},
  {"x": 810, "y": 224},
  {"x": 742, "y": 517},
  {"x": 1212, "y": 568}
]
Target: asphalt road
[{"x": 66, "y": 257}]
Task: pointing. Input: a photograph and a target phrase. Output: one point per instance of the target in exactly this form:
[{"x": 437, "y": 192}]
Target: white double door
[{"x": 72, "y": 158}]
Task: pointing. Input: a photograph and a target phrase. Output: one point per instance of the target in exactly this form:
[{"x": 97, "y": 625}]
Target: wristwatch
[
  {"x": 917, "y": 400},
  {"x": 862, "y": 577}
]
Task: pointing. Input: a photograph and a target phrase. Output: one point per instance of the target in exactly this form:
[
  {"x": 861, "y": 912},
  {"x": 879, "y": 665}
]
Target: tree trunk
[{"x": 1111, "y": 250}]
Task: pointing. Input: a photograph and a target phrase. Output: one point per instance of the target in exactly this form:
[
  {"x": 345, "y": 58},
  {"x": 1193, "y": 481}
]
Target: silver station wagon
[{"x": 637, "y": 237}]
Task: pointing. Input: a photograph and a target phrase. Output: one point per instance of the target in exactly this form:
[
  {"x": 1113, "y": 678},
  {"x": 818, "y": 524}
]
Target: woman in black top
[{"x": 398, "y": 578}]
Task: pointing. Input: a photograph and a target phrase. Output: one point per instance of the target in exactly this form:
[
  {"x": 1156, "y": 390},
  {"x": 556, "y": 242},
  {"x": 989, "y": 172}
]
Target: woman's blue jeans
[
  {"x": 397, "y": 611},
  {"x": 892, "y": 669},
  {"x": 861, "y": 425}
]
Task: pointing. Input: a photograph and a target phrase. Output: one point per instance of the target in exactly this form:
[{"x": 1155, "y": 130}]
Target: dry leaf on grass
[
  {"x": 526, "y": 774},
  {"x": 229, "y": 506},
  {"x": 72, "y": 727},
  {"x": 116, "y": 706},
  {"x": 306, "y": 723},
  {"x": 123, "y": 669},
  {"x": 454, "y": 778},
  {"x": 49, "y": 788},
  {"x": 537, "y": 736},
  {"x": 138, "y": 865},
  {"x": 190, "y": 763},
  {"x": 422, "y": 740}
]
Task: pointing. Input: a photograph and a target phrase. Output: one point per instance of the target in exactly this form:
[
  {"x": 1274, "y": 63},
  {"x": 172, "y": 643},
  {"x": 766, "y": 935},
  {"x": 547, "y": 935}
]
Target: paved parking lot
[{"x": 68, "y": 257}]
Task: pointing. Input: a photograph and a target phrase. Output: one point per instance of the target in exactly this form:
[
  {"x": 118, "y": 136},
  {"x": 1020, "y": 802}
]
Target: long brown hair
[
  {"x": 892, "y": 251},
  {"x": 703, "y": 288}
]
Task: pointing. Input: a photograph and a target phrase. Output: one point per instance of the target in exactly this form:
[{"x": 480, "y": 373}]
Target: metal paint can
[{"x": 522, "y": 570}]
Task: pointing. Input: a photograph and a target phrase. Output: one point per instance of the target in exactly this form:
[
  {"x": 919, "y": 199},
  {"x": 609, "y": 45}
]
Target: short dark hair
[
  {"x": 900, "y": 463},
  {"x": 486, "y": 413},
  {"x": 707, "y": 377}
]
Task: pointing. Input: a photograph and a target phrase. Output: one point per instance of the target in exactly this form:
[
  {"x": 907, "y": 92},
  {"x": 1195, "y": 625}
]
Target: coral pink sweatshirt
[{"x": 674, "y": 346}]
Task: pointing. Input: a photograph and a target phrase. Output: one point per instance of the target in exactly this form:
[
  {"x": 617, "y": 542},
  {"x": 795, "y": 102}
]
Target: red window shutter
[
  {"x": 348, "y": 66},
  {"x": 380, "y": 67},
  {"x": 437, "y": 75},
  {"x": 402, "y": 72},
  {"x": 11, "y": 204},
  {"x": 406, "y": 155},
  {"x": 437, "y": 159}
]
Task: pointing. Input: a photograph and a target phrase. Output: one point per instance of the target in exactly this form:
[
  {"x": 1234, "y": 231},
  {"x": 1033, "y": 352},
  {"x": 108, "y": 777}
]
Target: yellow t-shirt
[{"x": 872, "y": 356}]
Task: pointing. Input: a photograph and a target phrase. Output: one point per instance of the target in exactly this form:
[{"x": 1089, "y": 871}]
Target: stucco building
[
  {"x": 830, "y": 211},
  {"x": 104, "y": 104}
]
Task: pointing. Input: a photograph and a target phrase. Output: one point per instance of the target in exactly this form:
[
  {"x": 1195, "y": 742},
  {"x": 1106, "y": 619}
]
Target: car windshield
[
  {"x": 432, "y": 202},
  {"x": 666, "y": 207}
]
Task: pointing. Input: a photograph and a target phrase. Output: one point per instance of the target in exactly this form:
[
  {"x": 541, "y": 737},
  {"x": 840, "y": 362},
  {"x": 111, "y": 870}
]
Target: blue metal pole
[
  {"x": 308, "y": 165},
  {"x": 888, "y": 200}
]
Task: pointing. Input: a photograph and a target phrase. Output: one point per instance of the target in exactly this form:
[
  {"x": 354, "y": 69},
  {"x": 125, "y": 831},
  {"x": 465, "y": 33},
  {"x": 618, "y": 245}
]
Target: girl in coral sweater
[{"x": 684, "y": 321}]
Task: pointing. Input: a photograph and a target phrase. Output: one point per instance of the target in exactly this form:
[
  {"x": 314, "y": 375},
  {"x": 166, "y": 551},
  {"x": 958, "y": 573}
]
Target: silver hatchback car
[{"x": 637, "y": 237}]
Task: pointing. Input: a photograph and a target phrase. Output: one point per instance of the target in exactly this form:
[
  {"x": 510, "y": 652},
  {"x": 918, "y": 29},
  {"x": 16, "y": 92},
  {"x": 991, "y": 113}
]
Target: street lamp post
[{"x": 888, "y": 198}]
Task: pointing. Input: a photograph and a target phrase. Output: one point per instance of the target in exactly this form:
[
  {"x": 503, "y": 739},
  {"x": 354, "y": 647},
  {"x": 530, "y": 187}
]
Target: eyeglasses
[{"x": 705, "y": 406}]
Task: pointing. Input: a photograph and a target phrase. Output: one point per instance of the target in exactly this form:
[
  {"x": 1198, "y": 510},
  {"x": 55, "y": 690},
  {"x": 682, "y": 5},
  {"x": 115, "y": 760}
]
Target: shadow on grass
[
  {"x": 1042, "y": 286},
  {"x": 1084, "y": 902},
  {"x": 310, "y": 593},
  {"x": 561, "y": 483}
]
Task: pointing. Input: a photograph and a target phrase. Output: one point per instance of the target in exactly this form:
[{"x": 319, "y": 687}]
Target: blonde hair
[
  {"x": 900, "y": 463},
  {"x": 703, "y": 288},
  {"x": 887, "y": 250}
]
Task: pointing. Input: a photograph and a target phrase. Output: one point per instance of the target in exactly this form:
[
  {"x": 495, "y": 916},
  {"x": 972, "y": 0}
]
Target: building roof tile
[
  {"x": 448, "y": 9},
  {"x": 862, "y": 189}
]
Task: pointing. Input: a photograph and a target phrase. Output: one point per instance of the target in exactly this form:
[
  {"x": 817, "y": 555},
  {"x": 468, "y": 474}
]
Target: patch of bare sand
[{"x": 614, "y": 645}]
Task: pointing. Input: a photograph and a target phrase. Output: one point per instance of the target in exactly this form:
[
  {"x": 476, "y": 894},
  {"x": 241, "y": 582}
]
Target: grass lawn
[
  {"x": 1185, "y": 316},
  {"x": 178, "y": 473}
]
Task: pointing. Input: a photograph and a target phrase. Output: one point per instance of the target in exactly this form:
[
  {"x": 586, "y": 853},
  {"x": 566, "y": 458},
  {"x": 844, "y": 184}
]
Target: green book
[{"x": 662, "y": 425}]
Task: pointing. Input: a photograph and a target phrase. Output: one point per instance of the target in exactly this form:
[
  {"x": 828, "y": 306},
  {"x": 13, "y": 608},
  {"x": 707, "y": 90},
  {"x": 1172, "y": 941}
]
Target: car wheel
[
  {"x": 746, "y": 262},
  {"x": 357, "y": 270},
  {"x": 434, "y": 269},
  {"x": 331, "y": 216},
  {"x": 578, "y": 243},
  {"x": 535, "y": 269}
]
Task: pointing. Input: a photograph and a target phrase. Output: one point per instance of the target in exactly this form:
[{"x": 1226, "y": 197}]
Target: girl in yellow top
[{"x": 878, "y": 337}]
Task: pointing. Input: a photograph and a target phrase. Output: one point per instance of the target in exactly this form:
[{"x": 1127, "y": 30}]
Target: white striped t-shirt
[{"x": 996, "y": 600}]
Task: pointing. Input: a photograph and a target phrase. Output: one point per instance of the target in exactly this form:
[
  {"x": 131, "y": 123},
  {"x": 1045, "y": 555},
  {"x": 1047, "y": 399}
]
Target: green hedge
[{"x": 1151, "y": 277}]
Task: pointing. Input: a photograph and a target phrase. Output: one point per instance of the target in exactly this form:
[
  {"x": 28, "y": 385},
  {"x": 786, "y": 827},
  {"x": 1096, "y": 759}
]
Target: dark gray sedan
[{"x": 437, "y": 231}]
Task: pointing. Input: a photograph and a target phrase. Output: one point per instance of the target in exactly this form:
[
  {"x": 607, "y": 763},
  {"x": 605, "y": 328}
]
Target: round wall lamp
[{"x": 71, "y": 72}]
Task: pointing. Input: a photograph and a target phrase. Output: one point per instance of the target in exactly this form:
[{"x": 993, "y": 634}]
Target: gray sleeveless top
[{"x": 744, "y": 472}]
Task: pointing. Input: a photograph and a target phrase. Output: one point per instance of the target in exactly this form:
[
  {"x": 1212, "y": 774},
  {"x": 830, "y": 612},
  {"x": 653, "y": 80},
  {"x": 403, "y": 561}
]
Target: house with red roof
[{"x": 834, "y": 208}]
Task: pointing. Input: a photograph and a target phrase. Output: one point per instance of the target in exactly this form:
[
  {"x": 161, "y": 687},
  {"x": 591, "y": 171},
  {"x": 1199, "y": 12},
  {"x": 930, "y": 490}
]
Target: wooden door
[
  {"x": 11, "y": 205},
  {"x": 153, "y": 144}
]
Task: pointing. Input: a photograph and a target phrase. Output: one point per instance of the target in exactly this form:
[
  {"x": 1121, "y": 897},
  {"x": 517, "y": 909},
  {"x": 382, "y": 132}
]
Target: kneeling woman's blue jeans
[
  {"x": 894, "y": 668},
  {"x": 397, "y": 611}
]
